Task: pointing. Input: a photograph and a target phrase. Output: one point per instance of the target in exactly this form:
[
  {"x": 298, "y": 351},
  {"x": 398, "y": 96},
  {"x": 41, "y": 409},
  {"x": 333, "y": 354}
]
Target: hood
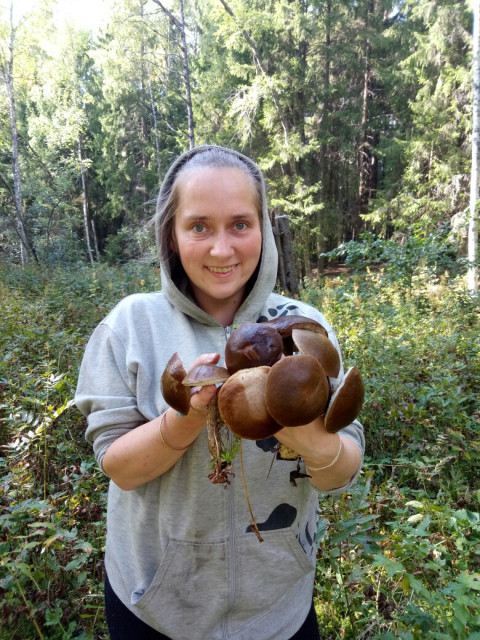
[{"x": 175, "y": 282}]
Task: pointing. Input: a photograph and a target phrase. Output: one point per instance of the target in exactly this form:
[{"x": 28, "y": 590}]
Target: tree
[
  {"x": 473, "y": 217},
  {"x": 7, "y": 59},
  {"x": 179, "y": 23}
]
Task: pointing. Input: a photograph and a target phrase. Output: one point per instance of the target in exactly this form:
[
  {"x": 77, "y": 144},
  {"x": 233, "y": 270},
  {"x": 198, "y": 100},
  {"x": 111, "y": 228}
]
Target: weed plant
[{"x": 399, "y": 555}]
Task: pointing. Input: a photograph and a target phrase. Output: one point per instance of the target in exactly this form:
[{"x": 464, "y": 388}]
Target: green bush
[{"x": 398, "y": 555}]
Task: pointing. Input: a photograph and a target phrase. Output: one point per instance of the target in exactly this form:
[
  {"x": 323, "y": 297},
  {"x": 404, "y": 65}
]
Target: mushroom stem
[
  {"x": 253, "y": 523},
  {"x": 215, "y": 430}
]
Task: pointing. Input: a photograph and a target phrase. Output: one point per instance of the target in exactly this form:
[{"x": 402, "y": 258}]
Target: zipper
[
  {"x": 231, "y": 522},
  {"x": 228, "y": 331}
]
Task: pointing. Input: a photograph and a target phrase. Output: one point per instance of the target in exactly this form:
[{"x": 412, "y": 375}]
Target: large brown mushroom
[
  {"x": 175, "y": 394},
  {"x": 241, "y": 402},
  {"x": 286, "y": 324},
  {"x": 297, "y": 390},
  {"x": 319, "y": 346},
  {"x": 346, "y": 402},
  {"x": 252, "y": 345},
  {"x": 200, "y": 376}
]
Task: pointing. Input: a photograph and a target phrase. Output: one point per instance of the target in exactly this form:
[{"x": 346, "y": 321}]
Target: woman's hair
[{"x": 167, "y": 204}]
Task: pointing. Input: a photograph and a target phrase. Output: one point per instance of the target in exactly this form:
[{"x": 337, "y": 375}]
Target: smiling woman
[
  {"x": 217, "y": 237},
  {"x": 218, "y": 269}
]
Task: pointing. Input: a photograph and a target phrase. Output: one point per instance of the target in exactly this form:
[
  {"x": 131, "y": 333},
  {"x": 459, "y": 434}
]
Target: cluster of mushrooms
[{"x": 277, "y": 374}]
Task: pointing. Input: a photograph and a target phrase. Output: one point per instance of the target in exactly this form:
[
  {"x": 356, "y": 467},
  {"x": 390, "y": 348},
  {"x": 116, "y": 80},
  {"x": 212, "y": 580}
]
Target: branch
[{"x": 261, "y": 65}]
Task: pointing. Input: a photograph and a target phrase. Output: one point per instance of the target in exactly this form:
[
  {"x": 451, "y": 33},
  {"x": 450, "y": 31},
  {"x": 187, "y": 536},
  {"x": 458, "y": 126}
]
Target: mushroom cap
[
  {"x": 241, "y": 403},
  {"x": 297, "y": 390},
  {"x": 285, "y": 325},
  {"x": 173, "y": 391},
  {"x": 252, "y": 345},
  {"x": 346, "y": 402},
  {"x": 204, "y": 374},
  {"x": 319, "y": 346}
]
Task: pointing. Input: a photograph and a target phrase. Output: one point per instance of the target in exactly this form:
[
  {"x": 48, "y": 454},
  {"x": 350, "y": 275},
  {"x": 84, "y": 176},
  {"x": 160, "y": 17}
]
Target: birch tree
[
  {"x": 7, "y": 58},
  {"x": 473, "y": 217}
]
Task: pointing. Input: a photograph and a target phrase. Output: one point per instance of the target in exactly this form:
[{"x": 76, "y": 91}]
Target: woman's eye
[
  {"x": 198, "y": 228},
  {"x": 241, "y": 226}
]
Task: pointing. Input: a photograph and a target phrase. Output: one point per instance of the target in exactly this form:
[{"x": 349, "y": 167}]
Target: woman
[{"x": 182, "y": 560}]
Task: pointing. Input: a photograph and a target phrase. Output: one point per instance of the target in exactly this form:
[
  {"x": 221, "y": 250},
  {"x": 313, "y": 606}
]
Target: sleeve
[{"x": 106, "y": 391}]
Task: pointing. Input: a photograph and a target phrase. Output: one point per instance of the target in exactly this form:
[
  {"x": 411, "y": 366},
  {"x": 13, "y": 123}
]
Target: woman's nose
[{"x": 222, "y": 245}]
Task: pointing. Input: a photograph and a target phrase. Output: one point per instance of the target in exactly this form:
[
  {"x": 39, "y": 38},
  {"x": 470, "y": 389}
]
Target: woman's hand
[
  {"x": 201, "y": 396},
  {"x": 151, "y": 449},
  {"x": 331, "y": 459}
]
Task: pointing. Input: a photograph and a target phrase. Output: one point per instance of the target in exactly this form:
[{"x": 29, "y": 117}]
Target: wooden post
[{"x": 287, "y": 271}]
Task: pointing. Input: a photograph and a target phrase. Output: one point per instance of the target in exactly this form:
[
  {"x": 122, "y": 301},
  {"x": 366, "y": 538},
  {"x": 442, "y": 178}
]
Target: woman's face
[{"x": 218, "y": 237}]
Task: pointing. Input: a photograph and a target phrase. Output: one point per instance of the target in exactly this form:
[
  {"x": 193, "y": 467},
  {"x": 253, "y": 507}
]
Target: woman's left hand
[{"x": 331, "y": 459}]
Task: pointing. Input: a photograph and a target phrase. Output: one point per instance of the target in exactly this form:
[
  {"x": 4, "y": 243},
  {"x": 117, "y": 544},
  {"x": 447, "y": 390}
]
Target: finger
[
  {"x": 206, "y": 358},
  {"x": 199, "y": 399}
]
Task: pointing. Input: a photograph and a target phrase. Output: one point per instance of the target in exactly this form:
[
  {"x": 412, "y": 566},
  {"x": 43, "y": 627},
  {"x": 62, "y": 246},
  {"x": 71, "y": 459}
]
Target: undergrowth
[{"x": 399, "y": 555}]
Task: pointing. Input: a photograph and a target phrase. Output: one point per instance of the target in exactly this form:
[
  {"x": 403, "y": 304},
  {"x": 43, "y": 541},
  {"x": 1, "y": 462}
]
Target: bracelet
[
  {"x": 163, "y": 420},
  {"x": 332, "y": 462}
]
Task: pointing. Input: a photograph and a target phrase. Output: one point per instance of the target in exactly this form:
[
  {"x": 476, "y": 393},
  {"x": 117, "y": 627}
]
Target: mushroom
[
  {"x": 297, "y": 390},
  {"x": 201, "y": 376},
  {"x": 346, "y": 402},
  {"x": 319, "y": 346},
  {"x": 175, "y": 394},
  {"x": 241, "y": 402},
  {"x": 285, "y": 325},
  {"x": 252, "y": 345}
]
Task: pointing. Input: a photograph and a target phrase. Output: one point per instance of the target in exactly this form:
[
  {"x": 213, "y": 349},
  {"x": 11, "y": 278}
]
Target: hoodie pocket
[
  {"x": 266, "y": 572},
  {"x": 189, "y": 592}
]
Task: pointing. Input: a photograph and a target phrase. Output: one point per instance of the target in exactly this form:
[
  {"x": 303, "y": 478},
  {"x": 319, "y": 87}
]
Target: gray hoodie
[{"x": 180, "y": 551}]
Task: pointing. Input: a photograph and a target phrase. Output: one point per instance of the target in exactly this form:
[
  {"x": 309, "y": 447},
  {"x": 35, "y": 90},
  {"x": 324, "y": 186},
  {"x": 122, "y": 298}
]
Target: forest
[{"x": 360, "y": 113}]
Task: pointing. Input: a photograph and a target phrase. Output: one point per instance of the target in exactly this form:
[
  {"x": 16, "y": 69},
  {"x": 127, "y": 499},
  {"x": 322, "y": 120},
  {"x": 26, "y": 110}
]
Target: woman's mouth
[{"x": 222, "y": 270}]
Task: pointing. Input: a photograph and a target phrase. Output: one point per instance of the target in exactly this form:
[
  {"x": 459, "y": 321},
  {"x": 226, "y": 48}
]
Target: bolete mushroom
[
  {"x": 200, "y": 376},
  {"x": 175, "y": 394},
  {"x": 319, "y": 346},
  {"x": 285, "y": 325},
  {"x": 297, "y": 390},
  {"x": 242, "y": 406},
  {"x": 252, "y": 345},
  {"x": 346, "y": 402}
]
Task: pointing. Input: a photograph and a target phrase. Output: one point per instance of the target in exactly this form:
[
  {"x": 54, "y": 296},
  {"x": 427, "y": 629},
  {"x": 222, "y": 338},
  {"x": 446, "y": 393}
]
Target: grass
[{"x": 399, "y": 555}]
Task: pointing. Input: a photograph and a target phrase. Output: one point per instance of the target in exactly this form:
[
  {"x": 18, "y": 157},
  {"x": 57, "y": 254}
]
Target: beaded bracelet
[
  {"x": 163, "y": 420},
  {"x": 332, "y": 462}
]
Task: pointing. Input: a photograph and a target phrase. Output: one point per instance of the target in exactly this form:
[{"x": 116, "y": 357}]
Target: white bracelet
[{"x": 331, "y": 463}]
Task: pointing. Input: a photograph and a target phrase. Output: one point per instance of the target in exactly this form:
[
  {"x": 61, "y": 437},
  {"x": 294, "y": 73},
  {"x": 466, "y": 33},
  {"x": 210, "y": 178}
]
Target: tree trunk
[
  {"x": 180, "y": 25},
  {"x": 27, "y": 248},
  {"x": 83, "y": 174},
  {"x": 366, "y": 158},
  {"x": 288, "y": 259},
  {"x": 473, "y": 217},
  {"x": 326, "y": 165}
]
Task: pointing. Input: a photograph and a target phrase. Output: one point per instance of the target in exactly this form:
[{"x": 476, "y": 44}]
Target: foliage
[
  {"x": 359, "y": 113},
  {"x": 398, "y": 555},
  {"x": 434, "y": 254}
]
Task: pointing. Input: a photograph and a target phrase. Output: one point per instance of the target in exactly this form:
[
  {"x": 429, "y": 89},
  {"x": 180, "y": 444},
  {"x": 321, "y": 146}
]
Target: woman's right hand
[
  {"x": 146, "y": 452},
  {"x": 201, "y": 396}
]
